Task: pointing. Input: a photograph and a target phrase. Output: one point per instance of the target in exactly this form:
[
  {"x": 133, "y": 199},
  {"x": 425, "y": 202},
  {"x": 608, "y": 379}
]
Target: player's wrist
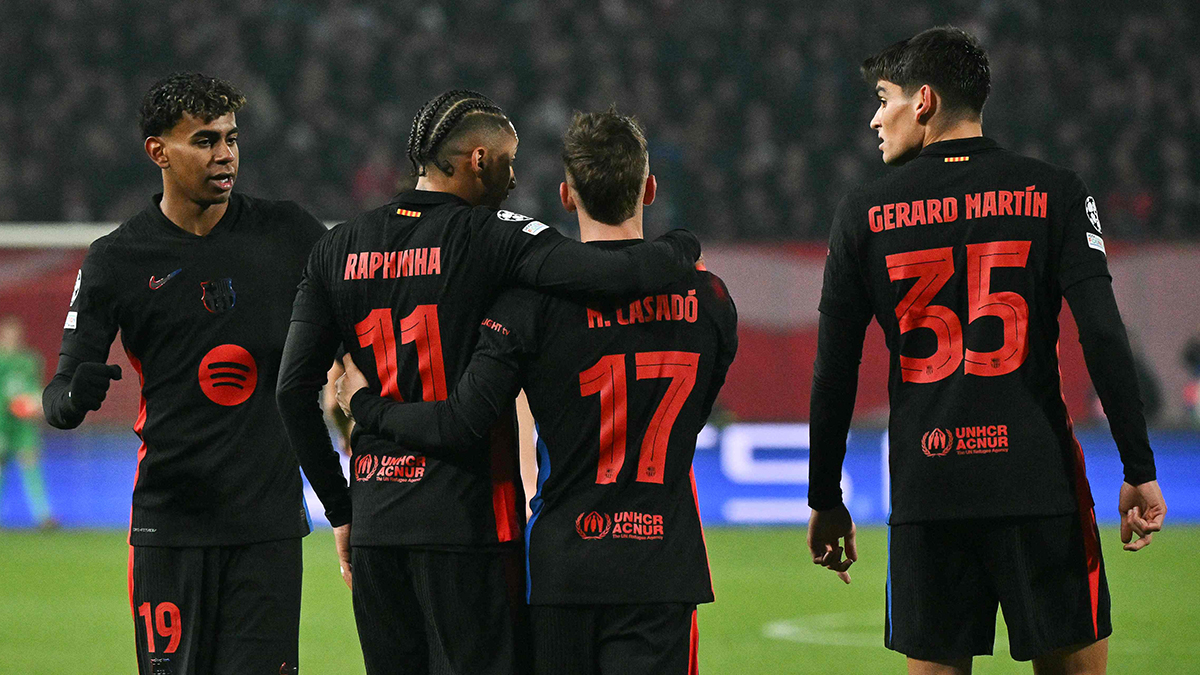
[
  {"x": 1140, "y": 476},
  {"x": 360, "y": 402},
  {"x": 825, "y": 501}
]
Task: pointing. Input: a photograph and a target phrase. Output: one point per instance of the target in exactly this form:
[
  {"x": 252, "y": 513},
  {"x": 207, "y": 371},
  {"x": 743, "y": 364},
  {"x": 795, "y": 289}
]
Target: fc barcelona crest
[{"x": 218, "y": 296}]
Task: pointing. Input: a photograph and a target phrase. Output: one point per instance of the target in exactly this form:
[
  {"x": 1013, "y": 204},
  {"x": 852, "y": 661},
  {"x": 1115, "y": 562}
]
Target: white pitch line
[{"x": 865, "y": 629}]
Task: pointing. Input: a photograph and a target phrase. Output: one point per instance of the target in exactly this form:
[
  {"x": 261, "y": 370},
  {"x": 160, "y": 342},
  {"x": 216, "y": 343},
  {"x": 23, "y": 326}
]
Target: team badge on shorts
[{"x": 218, "y": 296}]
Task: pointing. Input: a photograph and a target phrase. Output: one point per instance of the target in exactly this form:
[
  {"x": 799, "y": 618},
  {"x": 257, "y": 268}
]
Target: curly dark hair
[
  {"x": 605, "y": 157},
  {"x": 947, "y": 58},
  {"x": 205, "y": 97}
]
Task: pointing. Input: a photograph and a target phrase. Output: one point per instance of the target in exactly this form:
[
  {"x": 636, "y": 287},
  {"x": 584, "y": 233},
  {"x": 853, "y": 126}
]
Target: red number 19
[{"x": 171, "y": 629}]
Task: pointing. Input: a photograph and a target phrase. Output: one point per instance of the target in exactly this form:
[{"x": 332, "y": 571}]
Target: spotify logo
[{"x": 228, "y": 375}]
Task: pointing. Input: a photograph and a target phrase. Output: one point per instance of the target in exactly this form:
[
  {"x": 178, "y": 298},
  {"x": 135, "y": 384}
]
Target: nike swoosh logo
[{"x": 156, "y": 284}]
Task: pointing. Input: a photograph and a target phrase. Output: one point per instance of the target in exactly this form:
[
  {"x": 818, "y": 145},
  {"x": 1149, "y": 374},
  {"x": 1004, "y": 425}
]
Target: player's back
[
  {"x": 408, "y": 284},
  {"x": 962, "y": 256},
  {"x": 619, "y": 392}
]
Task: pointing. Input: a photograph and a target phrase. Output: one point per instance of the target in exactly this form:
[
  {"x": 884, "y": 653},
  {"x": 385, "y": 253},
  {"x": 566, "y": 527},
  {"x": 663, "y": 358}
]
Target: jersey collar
[
  {"x": 429, "y": 197},
  {"x": 960, "y": 146},
  {"x": 614, "y": 243},
  {"x": 161, "y": 220}
]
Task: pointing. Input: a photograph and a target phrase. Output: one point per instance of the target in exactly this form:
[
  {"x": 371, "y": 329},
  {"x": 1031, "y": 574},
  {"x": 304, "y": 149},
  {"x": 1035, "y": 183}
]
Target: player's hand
[
  {"x": 349, "y": 384},
  {"x": 89, "y": 384},
  {"x": 826, "y": 529},
  {"x": 341, "y": 542},
  {"x": 1142, "y": 510}
]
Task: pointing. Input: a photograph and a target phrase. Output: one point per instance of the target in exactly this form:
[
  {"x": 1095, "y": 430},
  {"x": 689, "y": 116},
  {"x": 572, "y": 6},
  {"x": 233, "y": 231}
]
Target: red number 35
[{"x": 933, "y": 268}]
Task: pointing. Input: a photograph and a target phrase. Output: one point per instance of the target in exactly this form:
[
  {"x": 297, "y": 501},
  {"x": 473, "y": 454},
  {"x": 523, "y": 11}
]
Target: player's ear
[
  {"x": 479, "y": 160},
  {"x": 651, "y": 190},
  {"x": 926, "y": 103},
  {"x": 157, "y": 151},
  {"x": 564, "y": 195}
]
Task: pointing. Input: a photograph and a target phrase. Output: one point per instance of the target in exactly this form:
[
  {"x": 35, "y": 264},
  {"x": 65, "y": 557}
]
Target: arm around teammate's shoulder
[
  {"x": 463, "y": 421},
  {"x": 534, "y": 255},
  {"x": 573, "y": 267}
]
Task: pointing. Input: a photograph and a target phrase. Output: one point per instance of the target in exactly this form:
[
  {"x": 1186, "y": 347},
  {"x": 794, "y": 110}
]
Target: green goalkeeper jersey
[{"x": 20, "y": 375}]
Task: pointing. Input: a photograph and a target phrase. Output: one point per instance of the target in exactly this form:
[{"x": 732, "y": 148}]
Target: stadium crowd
[{"x": 756, "y": 113}]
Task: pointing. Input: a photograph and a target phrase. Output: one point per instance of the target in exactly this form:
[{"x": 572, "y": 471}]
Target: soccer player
[
  {"x": 436, "y": 563},
  {"x": 20, "y": 438},
  {"x": 620, "y": 389},
  {"x": 200, "y": 285},
  {"x": 964, "y": 255}
]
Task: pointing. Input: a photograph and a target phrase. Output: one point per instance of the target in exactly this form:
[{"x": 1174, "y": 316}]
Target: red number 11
[{"x": 421, "y": 329}]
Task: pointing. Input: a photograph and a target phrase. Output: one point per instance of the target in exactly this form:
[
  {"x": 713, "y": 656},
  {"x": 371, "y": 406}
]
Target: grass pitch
[{"x": 64, "y": 607}]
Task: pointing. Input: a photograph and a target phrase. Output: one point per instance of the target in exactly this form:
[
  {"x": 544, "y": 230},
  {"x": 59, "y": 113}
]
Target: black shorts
[
  {"x": 217, "y": 609},
  {"x": 651, "y": 639},
  {"x": 946, "y": 578},
  {"x": 444, "y": 612}
]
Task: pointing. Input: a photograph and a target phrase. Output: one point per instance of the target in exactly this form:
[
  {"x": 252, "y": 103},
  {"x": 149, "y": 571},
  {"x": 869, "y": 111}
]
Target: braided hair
[{"x": 440, "y": 119}]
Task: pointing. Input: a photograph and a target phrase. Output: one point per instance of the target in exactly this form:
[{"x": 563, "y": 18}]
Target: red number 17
[{"x": 607, "y": 378}]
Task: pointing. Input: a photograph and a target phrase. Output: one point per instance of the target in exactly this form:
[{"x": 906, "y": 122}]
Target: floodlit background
[{"x": 758, "y": 124}]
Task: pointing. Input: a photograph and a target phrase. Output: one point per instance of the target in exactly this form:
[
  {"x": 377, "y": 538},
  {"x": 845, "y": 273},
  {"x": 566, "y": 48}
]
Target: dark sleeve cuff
[
  {"x": 340, "y": 515},
  {"x": 1136, "y": 475},
  {"x": 824, "y": 498},
  {"x": 365, "y": 408}
]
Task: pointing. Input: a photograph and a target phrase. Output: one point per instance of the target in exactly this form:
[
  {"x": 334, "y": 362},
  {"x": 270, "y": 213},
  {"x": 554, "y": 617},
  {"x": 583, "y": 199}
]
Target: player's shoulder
[
  {"x": 489, "y": 217},
  {"x": 712, "y": 291},
  {"x": 131, "y": 232},
  {"x": 1057, "y": 177},
  {"x": 515, "y": 309},
  {"x": 281, "y": 214},
  {"x": 365, "y": 222},
  {"x": 516, "y": 299}
]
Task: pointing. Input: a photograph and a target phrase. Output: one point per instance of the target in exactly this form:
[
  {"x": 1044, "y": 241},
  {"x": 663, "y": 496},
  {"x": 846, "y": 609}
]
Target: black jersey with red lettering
[
  {"x": 203, "y": 320},
  {"x": 404, "y": 288},
  {"x": 619, "y": 392},
  {"x": 962, "y": 256}
]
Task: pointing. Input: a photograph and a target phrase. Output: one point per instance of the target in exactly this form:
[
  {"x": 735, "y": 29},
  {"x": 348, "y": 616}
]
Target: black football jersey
[
  {"x": 203, "y": 320},
  {"x": 962, "y": 256},
  {"x": 619, "y": 392},
  {"x": 404, "y": 288}
]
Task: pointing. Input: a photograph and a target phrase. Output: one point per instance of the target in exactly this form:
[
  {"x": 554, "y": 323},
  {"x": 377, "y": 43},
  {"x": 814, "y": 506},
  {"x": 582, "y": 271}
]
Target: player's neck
[
  {"x": 591, "y": 229},
  {"x": 438, "y": 182},
  {"x": 956, "y": 130},
  {"x": 187, "y": 215}
]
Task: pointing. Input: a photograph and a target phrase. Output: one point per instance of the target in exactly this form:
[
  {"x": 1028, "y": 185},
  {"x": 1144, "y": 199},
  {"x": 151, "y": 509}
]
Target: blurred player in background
[
  {"x": 435, "y": 566},
  {"x": 20, "y": 408},
  {"x": 200, "y": 285},
  {"x": 964, "y": 255},
  {"x": 616, "y": 557}
]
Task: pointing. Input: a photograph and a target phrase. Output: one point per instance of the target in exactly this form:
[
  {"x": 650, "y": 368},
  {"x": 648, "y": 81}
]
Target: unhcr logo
[
  {"x": 593, "y": 525},
  {"x": 937, "y": 442}
]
